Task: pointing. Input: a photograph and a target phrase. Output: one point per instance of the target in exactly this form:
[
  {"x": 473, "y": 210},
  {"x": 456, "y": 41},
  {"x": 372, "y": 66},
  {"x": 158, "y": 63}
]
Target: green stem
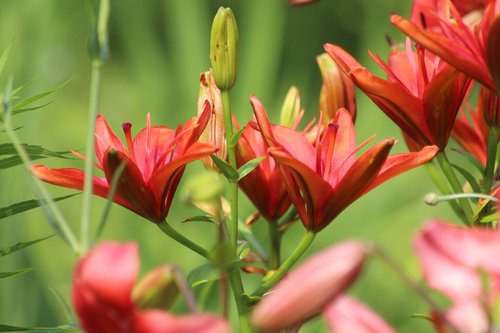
[
  {"x": 287, "y": 264},
  {"x": 168, "y": 230},
  {"x": 41, "y": 192},
  {"x": 95, "y": 88},
  {"x": 275, "y": 237},
  {"x": 394, "y": 265},
  {"x": 444, "y": 189},
  {"x": 489, "y": 172},
  {"x": 447, "y": 169}
]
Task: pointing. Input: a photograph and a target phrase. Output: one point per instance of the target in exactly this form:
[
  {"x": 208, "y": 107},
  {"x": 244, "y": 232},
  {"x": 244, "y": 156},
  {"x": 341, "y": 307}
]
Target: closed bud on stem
[
  {"x": 308, "y": 289},
  {"x": 337, "y": 90},
  {"x": 291, "y": 107},
  {"x": 158, "y": 289},
  {"x": 224, "y": 48},
  {"x": 204, "y": 187},
  {"x": 98, "y": 44}
]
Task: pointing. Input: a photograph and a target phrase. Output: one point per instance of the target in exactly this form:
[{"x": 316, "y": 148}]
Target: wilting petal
[
  {"x": 346, "y": 315},
  {"x": 155, "y": 321},
  {"x": 311, "y": 286}
]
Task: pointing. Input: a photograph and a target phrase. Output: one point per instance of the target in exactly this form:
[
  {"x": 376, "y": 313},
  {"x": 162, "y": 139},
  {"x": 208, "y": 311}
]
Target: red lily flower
[
  {"x": 324, "y": 178},
  {"x": 102, "y": 297},
  {"x": 264, "y": 185},
  {"x": 421, "y": 9},
  {"x": 154, "y": 163},
  {"x": 422, "y": 95},
  {"x": 472, "y": 50}
]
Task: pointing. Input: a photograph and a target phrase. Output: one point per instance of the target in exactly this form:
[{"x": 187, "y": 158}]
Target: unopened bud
[
  {"x": 204, "y": 187},
  {"x": 224, "y": 48},
  {"x": 432, "y": 199},
  {"x": 158, "y": 289},
  {"x": 291, "y": 107},
  {"x": 337, "y": 90}
]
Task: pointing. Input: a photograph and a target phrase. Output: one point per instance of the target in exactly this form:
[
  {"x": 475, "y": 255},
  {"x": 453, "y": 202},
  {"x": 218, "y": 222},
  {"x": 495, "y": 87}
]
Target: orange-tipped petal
[{"x": 310, "y": 287}]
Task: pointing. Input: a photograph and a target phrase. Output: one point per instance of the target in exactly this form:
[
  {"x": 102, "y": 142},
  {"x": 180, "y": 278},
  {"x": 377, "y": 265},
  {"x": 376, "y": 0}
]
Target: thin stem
[
  {"x": 394, "y": 265},
  {"x": 445, "y": 165},
  {"x": 95, "y": 88},
  {"x": 182, "y": 284},
  {"x": 489, "y": 171},
  {"x": 444, "y": 189},
  {"x": 168, "y": 230},
  {"x": 275, "y": 237},
  {"x": 287, "y": 264},
  {"x": 43, "y": 194}
]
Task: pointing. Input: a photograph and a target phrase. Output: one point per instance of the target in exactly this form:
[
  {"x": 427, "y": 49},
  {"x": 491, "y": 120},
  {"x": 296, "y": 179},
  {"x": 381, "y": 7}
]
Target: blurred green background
[{"x": 158, "y": 50}]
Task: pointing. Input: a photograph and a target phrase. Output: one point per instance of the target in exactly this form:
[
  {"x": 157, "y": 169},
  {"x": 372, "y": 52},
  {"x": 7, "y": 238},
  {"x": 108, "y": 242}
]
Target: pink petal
[
  {"x": 156, "y": 321},
  {"x": 346, "y": 315},
  {"x": 310, "y": 287}
]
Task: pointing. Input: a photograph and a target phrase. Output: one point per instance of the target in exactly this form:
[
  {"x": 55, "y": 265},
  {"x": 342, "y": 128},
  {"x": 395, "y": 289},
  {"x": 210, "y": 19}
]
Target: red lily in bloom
[
  {"x": 472, "y": 50},
  {"x": 345, "y": 314},
  {"x": 422, "y": 9},
  {"x": 422, "y": 95},
  {"x": 460, "y": 263},
  {"x": 154, "y": 163},
  {"x": 102, "y": 297},
  {"x": 264, "y": 185},
  {"x": 324, "y": 178}
]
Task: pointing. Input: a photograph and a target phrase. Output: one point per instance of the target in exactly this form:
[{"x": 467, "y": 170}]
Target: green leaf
[
  {"x": 8, "y": 250},
  {"x": 8, "y": 328},
  {"x": 421, "y": 316},
  {"x": 34, "y": 152},
  {"x": 233, "y": 141},
  {"x": 26, "y": 205},
  {"x": 228, "y": 171},
  {"x": 489, "y": 218},
  {"x": 469, "y": 177},
  {"x": 3, "y": 57},
  {"x": 201, "y": 218},
  {"x": 30, "y": 108},
  {"x": 37, "y": 97},
  {"x": 19, "y": 272},
  {"x": 246, "y": 234},
  {"x": 249, "y": 166},
  {"x": 203, "y": 274},
  {"x": 471, "y": 159}
]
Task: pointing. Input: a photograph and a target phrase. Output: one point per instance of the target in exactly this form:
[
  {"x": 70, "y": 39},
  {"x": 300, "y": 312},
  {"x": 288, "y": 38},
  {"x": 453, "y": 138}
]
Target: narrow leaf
[
  {"x": 37, "y": 97},
  {"x": 201, "y": 218},
  {"x": 249, "y": 166},
  {"x": 8, "y": 328},
  {"x": 202, "y": 274},
  {"x": 21, "y": 110},
  {"x": 8, "y": 250},
  {"x": 9, "y": 149},
  {"x": 228, "y": 171},
  {"x": 246, "y": 234},
  {"x": 469, "y": 177},
  {"x": 26, "y": 205},
  {"x": 471, "y": 159},
  {"x": 233, "y": 141},
  {"x": 19, "y": 272},
  {"x": 3, "y": 58}
]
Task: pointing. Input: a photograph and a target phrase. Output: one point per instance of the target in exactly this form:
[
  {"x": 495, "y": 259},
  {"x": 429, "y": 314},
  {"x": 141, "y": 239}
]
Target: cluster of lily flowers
[{"x": 315, "y": 173}]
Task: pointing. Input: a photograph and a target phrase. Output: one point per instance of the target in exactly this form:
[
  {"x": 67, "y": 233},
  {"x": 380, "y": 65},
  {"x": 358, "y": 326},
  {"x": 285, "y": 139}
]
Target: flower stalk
[{"x": 175, "y": 235}]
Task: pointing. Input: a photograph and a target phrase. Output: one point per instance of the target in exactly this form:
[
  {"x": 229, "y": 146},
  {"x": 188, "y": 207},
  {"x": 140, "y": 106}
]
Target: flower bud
[
  {"x": 308, "y": 289},
  {"x": 337, "y": 90},
  {"x": 224, "y": 48},
  {"x": 204, "y": 187},
  {"x": 214, "y": 132},
  {"x": 158, "y": 289},
  {"x": 291, "y": 107}
]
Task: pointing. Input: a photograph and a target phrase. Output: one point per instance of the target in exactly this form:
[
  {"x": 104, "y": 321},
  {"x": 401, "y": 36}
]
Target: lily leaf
[
  {"x": 3, "y": 57},
  {"x": 201, "y": 218},
  {"x": 8, "y": 250},
  {"x": 236, "y": 136},
  {"x": 469, "y": 177},
  {"x": 249, "y": 166},
  {"x": 19, "y": 107},
  {"x": 228, "y": 171},
  {"x": 8, "y": 328},
  {"x": 12, "y": 273},
  {"x": 34, "y": 152},
  {"x": 26, "y": 205},
  {"x": 203, "y": 274}
]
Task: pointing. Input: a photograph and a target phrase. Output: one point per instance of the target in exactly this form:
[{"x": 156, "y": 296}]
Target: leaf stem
[
  {"x": 445, "y": 165},
  {"x": 492, "y": 156},
  {"x": 175, "y": 235},
  {"x": 307, "y": 239}
]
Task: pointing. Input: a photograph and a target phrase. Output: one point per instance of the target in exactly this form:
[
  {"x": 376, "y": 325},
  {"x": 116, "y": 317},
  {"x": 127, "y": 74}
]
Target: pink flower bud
[{"x": 309, "y": 288}]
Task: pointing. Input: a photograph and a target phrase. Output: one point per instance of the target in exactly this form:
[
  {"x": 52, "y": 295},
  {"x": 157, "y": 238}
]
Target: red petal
[
  {"x": 105, "y": 138},
  {"x": 156, "y": 321},
  {"x": 493, "y": 52}
]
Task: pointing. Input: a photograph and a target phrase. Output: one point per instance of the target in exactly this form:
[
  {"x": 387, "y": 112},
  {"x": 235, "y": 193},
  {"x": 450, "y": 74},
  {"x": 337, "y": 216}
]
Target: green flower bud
[
  {"x": 291, "y": 107},
  {"x": 158, "y": 289},
  {"x": 224, "y": 48}
]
